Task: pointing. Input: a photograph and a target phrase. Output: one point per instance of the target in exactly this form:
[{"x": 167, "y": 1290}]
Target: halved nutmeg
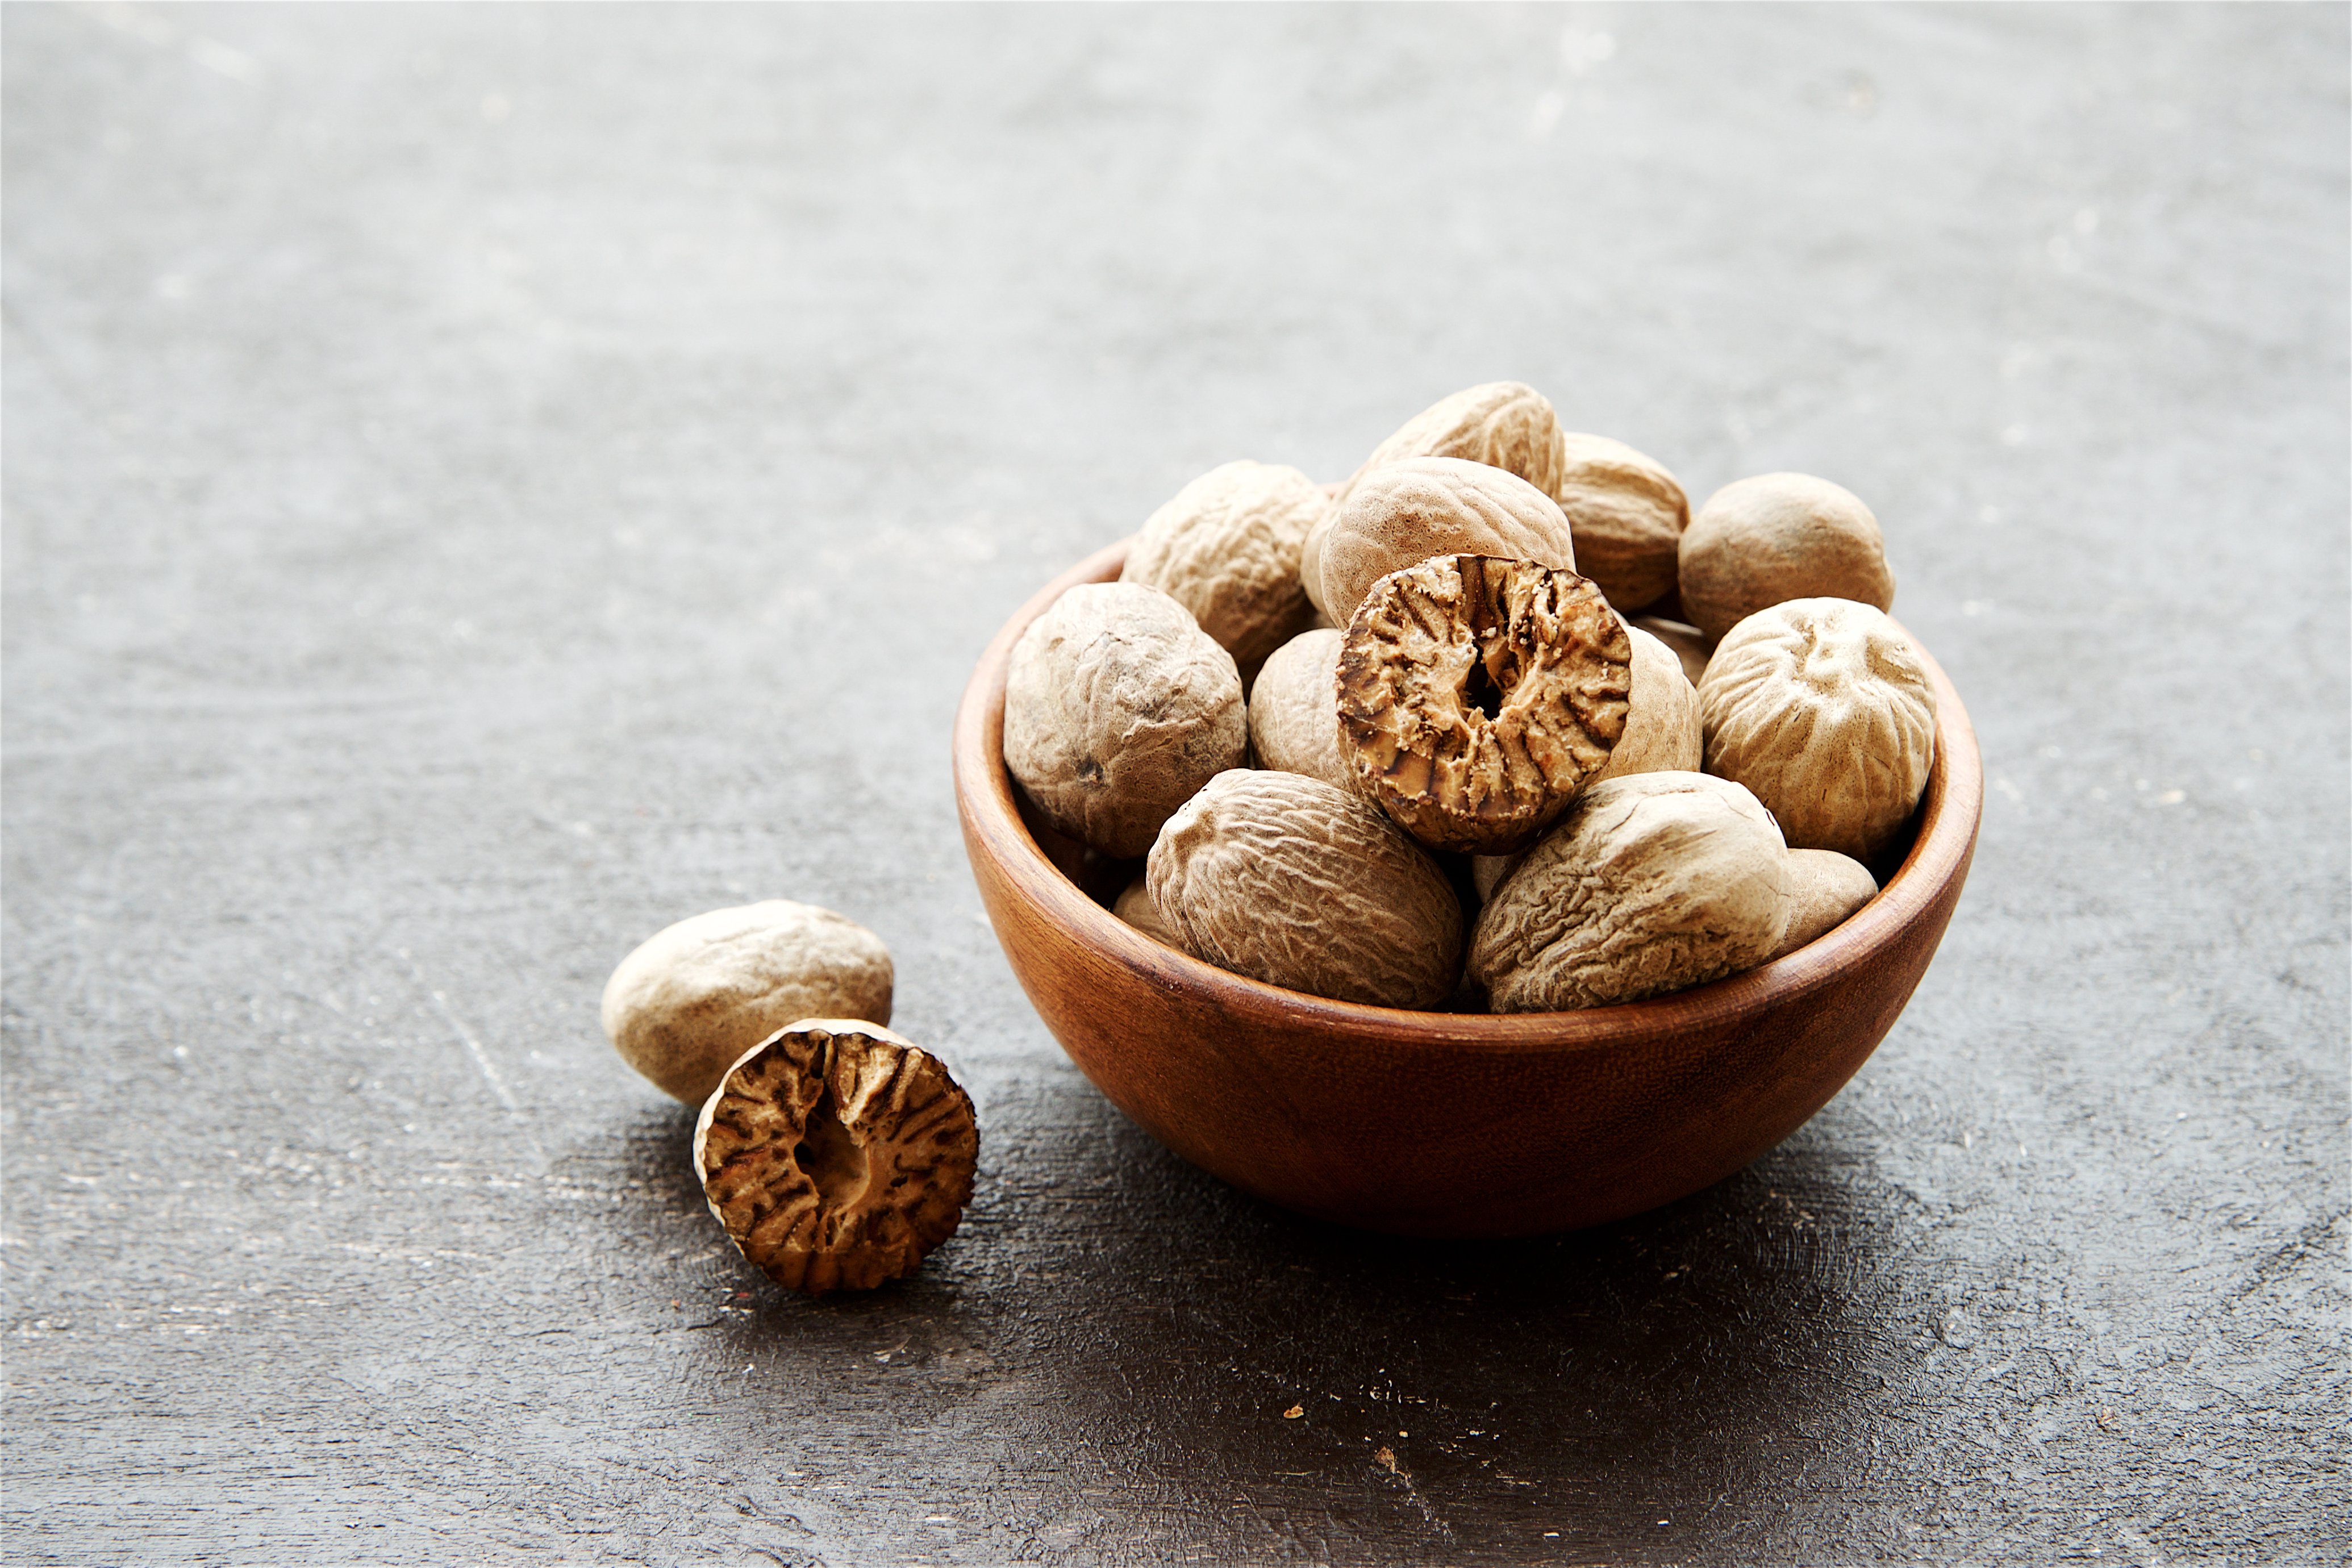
[
  {"x": 836, "y": 1153},
  {"x": 1478, "y": 696}
]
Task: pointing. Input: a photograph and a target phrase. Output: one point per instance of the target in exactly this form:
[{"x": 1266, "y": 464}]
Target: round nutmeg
[
  {"x": 1135, "y": 907},
  {"x": 1478, "y": 696},
  {"x": 1825, "y": 889},
  {"x": 1226, "y": 547},
  {"x": 1504, "y": 424},
  {"x": 1823, "y": 709},
  {"x": 1661, "y": 727},
  {"x": 1653, "y": 883},
  {"x": 837, "y": 1154},
  {"x": 697, "y": 995},
  {"x": 1117, "y": 707},
  {"x": 1408, "y": 512},
  {"x": 1628, "y": 514},
  {"x": 1777, "y": 537},
  {"x": 1294, "y": 716},
  {"x": 1289, "y": 880}
]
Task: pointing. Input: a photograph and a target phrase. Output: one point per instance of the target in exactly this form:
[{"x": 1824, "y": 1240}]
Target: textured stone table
[{"x": 482, "y": 484}]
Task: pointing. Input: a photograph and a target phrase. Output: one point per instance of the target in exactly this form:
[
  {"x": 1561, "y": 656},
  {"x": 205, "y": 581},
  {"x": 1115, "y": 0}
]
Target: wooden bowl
[{"x": 1446, "y": 1123}]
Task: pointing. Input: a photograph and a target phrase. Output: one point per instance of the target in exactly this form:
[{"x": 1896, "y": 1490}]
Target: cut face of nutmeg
[
  {"x": 837, "y": 1154},
  {"x": 1478, "y": 696}
]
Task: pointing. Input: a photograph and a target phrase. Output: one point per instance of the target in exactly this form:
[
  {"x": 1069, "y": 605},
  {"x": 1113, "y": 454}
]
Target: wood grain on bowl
[{"x": 1444, "y": 1123}]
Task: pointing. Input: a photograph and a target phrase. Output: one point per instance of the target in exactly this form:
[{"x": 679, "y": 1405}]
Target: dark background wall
[{"x": 481, "y": 484}]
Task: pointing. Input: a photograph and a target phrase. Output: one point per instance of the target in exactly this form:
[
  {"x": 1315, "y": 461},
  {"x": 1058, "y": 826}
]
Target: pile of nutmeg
[{"x": 1411, "y": 740}]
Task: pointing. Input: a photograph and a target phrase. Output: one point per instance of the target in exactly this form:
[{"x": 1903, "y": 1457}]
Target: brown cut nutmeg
[
  {"x": 1408, "y": 512},
  {"x": 1293, "y": 723},
  {"x": 1478, "y": 696},
  {"x": 1826, "y": 888},
  {"x": 1118, "y": 707},
  {"x": 1652, "y": 883},
  {"x": 1822, "y": 708},
  {"x": 1627, "y": 514},
  {"x": 1778, "y": 537},
  {"x": 696, "y": 996},
  {"x": 837, "y": 1154},
  {"x": 1226, "y": 547},
  {"x": 1504, "y": 424},
  {"x": 1289, "y": 880}
]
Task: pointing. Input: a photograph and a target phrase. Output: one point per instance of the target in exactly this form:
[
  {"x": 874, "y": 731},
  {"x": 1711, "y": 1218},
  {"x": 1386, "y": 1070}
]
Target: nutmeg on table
[{"x": 1483, "y": 737}]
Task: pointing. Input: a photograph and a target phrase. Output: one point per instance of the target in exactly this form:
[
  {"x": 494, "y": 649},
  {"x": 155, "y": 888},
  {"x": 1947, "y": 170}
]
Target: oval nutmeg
[
  {"x": 1777, "y": 537},
  {"x": 1822, "y": 709},
  {"x": 696, "y": 996},
  {"x": 1294, "y": 718},
  {"x": 1118, "y": 707},
  {"x": 1407, "y": 512},
  {"x": 1653, "y": 883},
  {"x": 1663, "y": 733},
  {"x": 837, "y": 1154},
  {"x": 1504, "y": 424},
  {"x": 1478, "y": 696},
  {"x": 1227, "y": 547},
  {"x": 1628, "y": 514},
  {"x": 1292, "y": 881},
  {"x": 1826, "y": 888}
]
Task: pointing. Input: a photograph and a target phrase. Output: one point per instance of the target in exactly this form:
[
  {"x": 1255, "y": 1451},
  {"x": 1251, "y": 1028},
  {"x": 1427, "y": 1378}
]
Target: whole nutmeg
[
  {"x": 696, "y": 996},
  {"x": 1477, "y": 696},
  {"x": 1826, "y": 888},
  {"x": 1777, "y": 537},
  {"x": 837, "y": 1154},
  {"x": 1407, "y": 512},
  {"x": 1226, "y": 547},
  {"x": 1628, "y": 514},
  {"x": 1294, "y": 720},
  {"x": 1118, "y": 707},
  {"x": 1504, "y": 424},
  {"x": 1822, "y": 708},
  {"x": 1662, "y": 725},
  {"x": 1690, "y": 645},
  {"x": 1652, "y": 883},
  {"x": 1135, "y": 907},
  {"x": 1289, "y": 880},
  {"x": 1310, "y": 566}
]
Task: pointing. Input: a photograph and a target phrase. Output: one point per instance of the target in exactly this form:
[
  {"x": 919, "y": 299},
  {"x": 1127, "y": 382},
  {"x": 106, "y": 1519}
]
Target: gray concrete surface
[{"x": 481, "y": 484}]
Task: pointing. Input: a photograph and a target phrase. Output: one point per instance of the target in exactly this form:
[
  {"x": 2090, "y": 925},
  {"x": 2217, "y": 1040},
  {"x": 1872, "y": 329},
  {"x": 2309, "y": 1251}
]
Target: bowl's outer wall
[{"x": 1439, "y": 1124}]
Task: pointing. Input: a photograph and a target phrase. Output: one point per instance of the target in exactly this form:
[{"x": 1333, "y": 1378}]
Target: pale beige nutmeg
[
  {"x": 1827, "y": 888},
  {"x": 1778, "y": 537},
  {"x": 1477, "y": 696},
  {"x": 1226, "y": 547},
  {"x": 1118, "y": 707},
  {"x": 1135, "y": 907},
  {"x": 1628, "y": 514},
  {"x": 1289, "y": 880},
  {"x": 1504, "y": 424},
  {"x": 836, "y": 1155},
  {"x": 1406, "y": 512},
  {"x": 696, "y": 996},
  {"x": 1294, "y": 714},
  {"x": 1661, "y": 727},
  {"x": 1310, "y": 567},
  {"x": 1822, "y": 708},
  {"x": 1691, "y": 645},
  {"x": 1652, "y": 883}
]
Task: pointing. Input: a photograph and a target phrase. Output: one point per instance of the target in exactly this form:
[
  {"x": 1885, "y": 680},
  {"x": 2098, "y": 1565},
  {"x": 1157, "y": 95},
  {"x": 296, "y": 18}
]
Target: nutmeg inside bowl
[{"x": 1448, "y": 1123}]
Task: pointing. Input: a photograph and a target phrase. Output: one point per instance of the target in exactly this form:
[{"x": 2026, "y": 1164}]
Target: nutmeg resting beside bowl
[{"x": 1444, "y": 1123}]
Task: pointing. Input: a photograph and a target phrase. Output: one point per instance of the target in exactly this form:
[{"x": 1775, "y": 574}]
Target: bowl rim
[{"x": 1952, "y": 808}]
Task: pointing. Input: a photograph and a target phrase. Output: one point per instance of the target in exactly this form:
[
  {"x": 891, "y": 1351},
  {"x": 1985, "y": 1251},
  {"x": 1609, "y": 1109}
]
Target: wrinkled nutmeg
[
  {"x": 837, "y": 1154},
  {"x": 1653, "y": 883},
  {"x": 1690, "y": 645},
  {"x": 1823, "y": 709},
  {"x": 1826, "y": 888},
  {"x": 1408, "y": 512},
  {"x": 1661, "y": 726},
  {"x": 1135, "y": 907},
  {"x": 1504, "y": 424},
  {"x": 1294, "y": 726},
  {"x": 1628, "y": 514},
  {"x": 1117, "y": 707},
  {"x": 1226, "y": 547},
  {"x": 1478, "y": 696},
  {"x": 1777, "y": 537},
  {"x": 1289, "y": 880},
  {"x": 696, "y": 996}
]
